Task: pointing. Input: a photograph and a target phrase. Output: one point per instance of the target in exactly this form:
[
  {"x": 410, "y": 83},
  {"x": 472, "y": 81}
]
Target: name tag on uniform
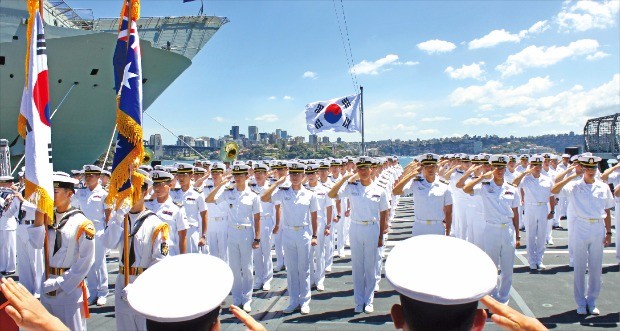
[
  {"x": 231, "y": 205},
  {"x": 96, "y": 197},
  {"x": 376, "y": 196},
  {"x": 509, "y": 193},
  {"x": 167, "y": 212},
  {"x": 191, "y": 199}
]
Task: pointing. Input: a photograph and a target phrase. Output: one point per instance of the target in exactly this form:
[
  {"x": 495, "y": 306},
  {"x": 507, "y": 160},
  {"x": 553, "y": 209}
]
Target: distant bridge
[{"x": 172, "y": 150}]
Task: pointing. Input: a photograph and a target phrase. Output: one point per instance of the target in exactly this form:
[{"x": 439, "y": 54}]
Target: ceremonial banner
[
  {"x": 128, "y": 82},
  {"x": 33, "y": 123},
  {"x": 336, "y": 115}
]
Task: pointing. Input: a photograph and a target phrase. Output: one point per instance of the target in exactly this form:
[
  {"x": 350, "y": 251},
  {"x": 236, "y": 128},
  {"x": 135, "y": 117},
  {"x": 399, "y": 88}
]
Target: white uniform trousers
[
  {"x": 317, "y": 270},
  {"x": 521, "y": 210},
  {"x": 536, "y": 219},
  {"x": 499, "y": 244},
  {"x": 97, "y": 277},
  {"x": 296, "y": 244},
  {"x": 126, "y": 317},
  {"x": 240, "y": 239},
  {"x": 30, "y": 262},
  {"x": 217, "y": 236},
  {"x": 329, "y": 248},
  {"x": 380, "y": 260},
  {"x": 279, "y": 248},
  {"x": 459, "y": 218},
  {"x": 476, "y": 226},
  {"x": 617, "y": 217},
  {"x": 422, "y": 227},
  {"x": 8, "y": 250},
  {"x": 192, "y": 238},
  {"x": 263, "y": 265},
  {"x": 589, "y": 236},
  {"x": 339, "y": 236},
  {"x": 67, "y": 306},
  {"x": 364, "y": 256}
]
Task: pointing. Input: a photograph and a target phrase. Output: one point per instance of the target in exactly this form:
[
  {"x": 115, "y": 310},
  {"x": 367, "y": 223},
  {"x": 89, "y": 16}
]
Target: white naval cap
[
  {"x": 184, "y": 168},
  {"x": 218, "y": 167},
  {"x": 589, "y": 161},
  {"x": 566, "y": 156},
  {"x": 574, "y": 158},
  {"x": 63, "y": 180},
  {"x": 612, "y": 161},
  {"x": 92, "y": 169},
  {"x": 147, "y": 177},
  {"x": 106, "y": 172},
  {"x": 441, "y": 258},
  {"x": 76, "y": 172},
  {"x": 146, "y": 167},
  {"x": 159, "y": 176},
  {"x": 240, "y": 169},
  {"x": 499, "y": 160},
  {"x": 200, "y": 170},
  {"x": 5, "y": 179},
  {"x": 536, "y": 159},
  {"x": 187, "y": 301},
  {"x": 258, "y": 166}
]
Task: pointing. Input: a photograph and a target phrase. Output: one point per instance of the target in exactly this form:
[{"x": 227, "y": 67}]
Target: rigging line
[
  {"x": 346, "y": 54},
  {"x": 109, "y": 147},
  {"x": 197, "y": 152},
  {"x": 346, "y": 29}
]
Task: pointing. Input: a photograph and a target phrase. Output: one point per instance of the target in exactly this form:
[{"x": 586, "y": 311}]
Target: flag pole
[
  {"x": 362, "y": 110},
  {"x": 126, "y": 245}
]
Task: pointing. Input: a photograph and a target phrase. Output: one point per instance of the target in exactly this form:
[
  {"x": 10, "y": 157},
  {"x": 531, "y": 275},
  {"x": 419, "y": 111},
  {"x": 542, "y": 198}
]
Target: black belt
[{"x": 25, "y": 222}]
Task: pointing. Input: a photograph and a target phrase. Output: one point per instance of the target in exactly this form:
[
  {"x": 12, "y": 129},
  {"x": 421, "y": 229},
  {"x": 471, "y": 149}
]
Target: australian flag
[{"x": 128, "y": 83}]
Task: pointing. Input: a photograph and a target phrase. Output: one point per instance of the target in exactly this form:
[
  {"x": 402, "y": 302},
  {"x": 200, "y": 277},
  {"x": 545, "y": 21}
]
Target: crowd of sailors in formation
[{"x": 308, "y": 212}]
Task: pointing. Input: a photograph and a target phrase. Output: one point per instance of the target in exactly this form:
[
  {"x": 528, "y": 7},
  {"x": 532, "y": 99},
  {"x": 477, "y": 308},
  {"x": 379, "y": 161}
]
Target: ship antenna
[{"x": 202, "y": 7}]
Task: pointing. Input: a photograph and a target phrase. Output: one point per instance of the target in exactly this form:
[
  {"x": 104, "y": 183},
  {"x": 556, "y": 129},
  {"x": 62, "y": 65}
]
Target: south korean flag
[{"x": 336, "y": 115}]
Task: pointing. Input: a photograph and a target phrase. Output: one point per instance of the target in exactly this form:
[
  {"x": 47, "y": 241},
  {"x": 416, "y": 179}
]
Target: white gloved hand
[
  {"x": 124, "y": 292},
  {"x": 52, "y": 284}
]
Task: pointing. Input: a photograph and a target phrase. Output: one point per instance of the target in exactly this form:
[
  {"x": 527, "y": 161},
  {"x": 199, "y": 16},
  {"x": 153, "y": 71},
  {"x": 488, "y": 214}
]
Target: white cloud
[
  {"x": 436, "y": 46},
  {"x": 428, "y": 131},
  {"x": 267, "y": 118},
  {"x": 287, "y": 97},
  {"x": 586, "y": 15},
  {"x": 372, "y": 68},
  {"x": 494, "y": 38},
  {"x": 473, "y": 70},
  {"x": 272, "y": 97},
  {"x": 310, "y": 74},
  {"x": 528, "y": 107},
  {"x": 435, "y": 119},
  {"x": 407, "y": 114},
  {"x": 542, "y": 57},
  {"x": 497, "y": 37},
  {"x": 596, "y": 56},
  {"x": 406, "y": 63},
  {"x": 219, "y": 119}
]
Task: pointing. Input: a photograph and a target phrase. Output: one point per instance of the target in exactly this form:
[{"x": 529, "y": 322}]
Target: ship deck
[{"x": 546, "y": 295}]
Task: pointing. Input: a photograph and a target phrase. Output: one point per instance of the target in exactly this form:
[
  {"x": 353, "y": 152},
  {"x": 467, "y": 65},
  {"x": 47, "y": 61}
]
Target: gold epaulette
[{"x": 88, "y": 229}]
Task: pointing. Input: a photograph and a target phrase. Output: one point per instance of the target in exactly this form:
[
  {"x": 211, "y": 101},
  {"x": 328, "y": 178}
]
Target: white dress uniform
[
  {"x": 217, "y": 231},
  {"x": 174, "y": 216},
  {"x": 614, "y": 179},
  {"x": 430, "y": 200},
  {"x": 329, "y": 241},
  {"x": 296, "y": 230},
  {"x": 193, "y": 202},
  {"x": 499, "y": 232},
  {"x": 263, "y": 264},
  {"x": 551, "y": 223},
  {"x": 29, "y": 260},
  {"x": 8, "y": 235},
  {"x": 367, "y": 202},
  {"x": 71, "y": 255},
  {"x": 317, "y": 263},
  {"x": 339, "y": 235},
  {"x": 92, "y": 203},
  {"x": 242, "y": 206},
  {"x": 588, "y": 202},
  {"x": 536, "y": 199},
  {"x": 462, "y": 206},
  {"x": 149, "y": 244}
]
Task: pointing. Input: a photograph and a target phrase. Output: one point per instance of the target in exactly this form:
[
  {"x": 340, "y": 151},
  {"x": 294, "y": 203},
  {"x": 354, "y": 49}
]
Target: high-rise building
[
  {"x": 313, "y": 139},
  {"x": 279, "y": 133},
  {"x": 234, "y": 132},
  {"x": 253, "y": 133},
  {"x": 325, "y": 140},
  {"x": 180, "y": 140},
  {"x": 284, "y": 134},
  {"x": 155, "y": 139}
]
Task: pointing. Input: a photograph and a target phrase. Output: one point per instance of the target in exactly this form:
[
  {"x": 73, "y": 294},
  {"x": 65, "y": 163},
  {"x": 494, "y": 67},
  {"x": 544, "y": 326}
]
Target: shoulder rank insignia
[
  {"x": 417, "y": 179},
  {"x": 444, "y": 181},
  {"x": 88, "y": 229},
  {"x": 198, "y": 189},
  {"x": 175, "y": 189},
  {"x": 253, "y": 184},
  {"x": 149, "y": 200},
  {"x": 486, "y": 183},
  {"x": 209, "y": 186},
  {"x": 179, "y": 204},
  {"x": 352, "y": 183},
  {"x": 284, "y": 188},
  {"x": 255, "y": 192}
]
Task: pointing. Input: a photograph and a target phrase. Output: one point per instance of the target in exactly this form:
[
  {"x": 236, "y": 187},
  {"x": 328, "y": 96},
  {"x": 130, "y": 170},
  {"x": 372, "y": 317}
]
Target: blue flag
[{"x": 125, "y": 182}]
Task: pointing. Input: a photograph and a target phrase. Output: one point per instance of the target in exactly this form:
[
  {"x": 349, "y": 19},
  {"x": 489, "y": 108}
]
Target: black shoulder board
[
  {"x": 256, "y": 192},
  {"x": 354, "y": 183},
  {"x": 417, "y": 179},
  {"x": 178, "y": 204},
  {"x": 175, "y": 189},
  {"x": 253, "y": 184},
  {"x": 148, "y": 200},
  {"x": 284, "y": 188},
  {"x": 209, "y": 186},
  {"x": 197, "y": 189},
  {"x": 486, "y": 183},
  {"x": 444, "y": 181}
]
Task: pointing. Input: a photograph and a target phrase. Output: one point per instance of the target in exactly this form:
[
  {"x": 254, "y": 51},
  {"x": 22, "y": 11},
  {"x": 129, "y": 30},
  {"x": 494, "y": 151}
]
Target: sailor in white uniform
[
  {"x": 431, "y": 195},
  {"x": 539, "y": 209},
  {"x": 244, "y": 234},
  {"x": 299, "y": 233},
  {"x": 324, "y": 180},
  {"x": 369, "y": 217},
  {"x": 91, "y": 200},
  {"x": 324, "y": 218},
  {"x": 263, "y": 264},
  {"x": 591, "y": 201},
  {"x": 168, "y": 211},
  {"x": 217, "y": 234},
  {"x": 8, "y": 227},
  {"x": 149, "y": 243},
  {"x": 501, "y": 234},
  {"x": 195, "y": 209},
  {"x": 281, "y": 171},
  {"x": 71, "y": 242}
]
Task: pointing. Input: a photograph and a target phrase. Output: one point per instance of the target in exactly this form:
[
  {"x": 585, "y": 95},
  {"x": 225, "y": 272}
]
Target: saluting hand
[
  {"x": 488, "y": 175},
  {"x": 510, "y": 319},
  {"x": 314, "y": 242},
  {"x": 246, "y": 319}
]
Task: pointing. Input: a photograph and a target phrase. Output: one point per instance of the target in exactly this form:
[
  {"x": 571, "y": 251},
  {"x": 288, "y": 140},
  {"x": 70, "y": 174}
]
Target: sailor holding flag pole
[{"x": 63, "y": 291}]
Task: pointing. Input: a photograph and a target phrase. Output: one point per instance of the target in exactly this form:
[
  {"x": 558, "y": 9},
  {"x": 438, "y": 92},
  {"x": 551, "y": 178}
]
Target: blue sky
[{"x": 429, "y": 68}]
